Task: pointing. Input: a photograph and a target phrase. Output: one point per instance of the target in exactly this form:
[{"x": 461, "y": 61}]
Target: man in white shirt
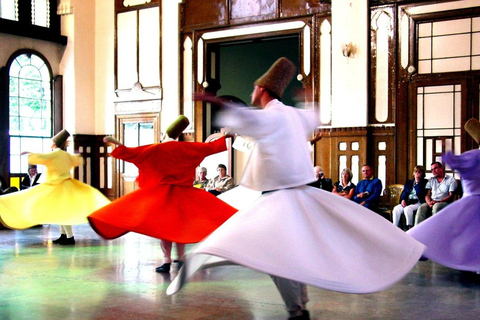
[{"x": 440, "y": 192}]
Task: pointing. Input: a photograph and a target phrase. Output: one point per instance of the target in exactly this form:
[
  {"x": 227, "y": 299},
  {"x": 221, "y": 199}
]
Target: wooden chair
[{"x": 392, "y": 198}]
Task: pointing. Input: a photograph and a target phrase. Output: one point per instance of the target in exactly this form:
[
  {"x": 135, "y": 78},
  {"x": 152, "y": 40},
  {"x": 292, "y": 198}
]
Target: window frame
[
  {"x": 24, "y": 27},
  {"x": 53, "y": 106}
]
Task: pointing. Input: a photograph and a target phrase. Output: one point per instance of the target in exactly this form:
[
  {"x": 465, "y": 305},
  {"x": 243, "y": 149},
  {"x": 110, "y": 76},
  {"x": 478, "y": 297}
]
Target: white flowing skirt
[
  {"x": 308, "y": 235},
  {"x": 240, "y": 197}
]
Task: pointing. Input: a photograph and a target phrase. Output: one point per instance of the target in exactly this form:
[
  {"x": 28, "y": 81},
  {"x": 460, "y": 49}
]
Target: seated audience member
[
  {"x": 201, "y": 180},
  {"x": 413, "y": 195},
  {"x": 369, "y": 189},
  {"x": 345, "y": 187},
  {"x": 3, "y": 185},
  {"x": 4, "y": 189},
  {"x": 321, "y": 182},
  {"x": 31, "y": 178},
  {"x": 220, "y": 183},
  {"x": 440, "y": 192}
]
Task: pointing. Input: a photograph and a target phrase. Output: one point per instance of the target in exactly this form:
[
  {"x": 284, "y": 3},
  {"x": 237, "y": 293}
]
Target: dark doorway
[{"x": 237, "y": 64}]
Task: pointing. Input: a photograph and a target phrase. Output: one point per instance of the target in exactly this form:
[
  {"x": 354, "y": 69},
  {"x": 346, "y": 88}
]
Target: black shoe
[
  {"x": 180, "y": 264},
  {"x": 67, "y": 241},
  {"x": 61, "y": 239},
  {"x": 164, "y": 268},
  {"x": 305, "y": 316}
]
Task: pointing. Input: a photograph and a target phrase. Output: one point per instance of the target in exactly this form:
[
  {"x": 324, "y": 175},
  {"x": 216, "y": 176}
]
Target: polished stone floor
[{"x": 98, "y": 279}]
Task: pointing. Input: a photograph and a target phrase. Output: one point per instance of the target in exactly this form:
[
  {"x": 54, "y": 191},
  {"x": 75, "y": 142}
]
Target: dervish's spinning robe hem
[{"x": 59, "y": 200}]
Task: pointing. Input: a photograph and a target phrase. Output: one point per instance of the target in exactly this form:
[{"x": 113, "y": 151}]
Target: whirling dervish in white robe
[{"x": 293, "y": 230}]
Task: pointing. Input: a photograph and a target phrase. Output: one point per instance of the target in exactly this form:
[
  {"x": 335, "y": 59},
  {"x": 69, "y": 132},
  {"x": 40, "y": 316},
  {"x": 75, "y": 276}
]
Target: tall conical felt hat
[
  {"x": 277, "y": 78},
  {"x": 472, "y": 126},
  {"x": 177, "y": 127},
  {"x": 61, "y": 138}
]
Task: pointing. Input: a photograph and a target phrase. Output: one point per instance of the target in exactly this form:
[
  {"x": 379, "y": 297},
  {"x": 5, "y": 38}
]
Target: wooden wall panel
[
  {"x": 328, "y": 153},
  {"x": 94, "y": 169},
  {"x": 368, "y": 151},
  {"x": 200, "y": 14},
  {"x": 295, "y": 8},
  {"x": 384, "y": 135},
  {"x": 247, "y": 11},
  {"x": 123, "y": 6}
]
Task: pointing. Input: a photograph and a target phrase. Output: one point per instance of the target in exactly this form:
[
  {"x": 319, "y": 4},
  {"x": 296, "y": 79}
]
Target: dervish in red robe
[{"x": 166, "y": 205}]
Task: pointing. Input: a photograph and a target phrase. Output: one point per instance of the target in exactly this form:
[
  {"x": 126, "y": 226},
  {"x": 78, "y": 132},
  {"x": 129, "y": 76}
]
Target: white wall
[
  {"x": 349, "y": 75},
  {"x": 51, "y": 51},
  {"x": 84, "y": 55},
  {"x": 68, "y": 71},
  {"x": 170, "y": 62},
  {"x": 104, "y": 65},
  {"x": 87, "y": 67}
]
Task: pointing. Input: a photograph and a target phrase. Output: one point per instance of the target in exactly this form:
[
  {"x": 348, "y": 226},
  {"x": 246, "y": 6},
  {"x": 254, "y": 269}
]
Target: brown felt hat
[
  {"x": 277, "y": 78},
  {"x": 472, "y": 126},
  {"x": 177, "y": 127},
  {"x": 60, "y": 138}
]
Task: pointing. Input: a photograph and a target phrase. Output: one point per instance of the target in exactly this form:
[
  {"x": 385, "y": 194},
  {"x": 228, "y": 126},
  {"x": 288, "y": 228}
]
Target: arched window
[{"x": 30, "y": 108}]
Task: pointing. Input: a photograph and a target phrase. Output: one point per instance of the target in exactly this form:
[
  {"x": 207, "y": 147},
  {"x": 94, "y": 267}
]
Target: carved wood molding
[
  {"x": 129, "y": 5},
  {"x": 138, "y": 93},
  {"x": 345, "y": 132},
  {"x": 201, "y": 15},
  {"x": 316, "y": 3},
  {"x": 138, "y": 106}
]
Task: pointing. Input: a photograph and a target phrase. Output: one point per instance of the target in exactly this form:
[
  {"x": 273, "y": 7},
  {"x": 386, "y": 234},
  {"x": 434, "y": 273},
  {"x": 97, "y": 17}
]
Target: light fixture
[{"x": 349, "y": 50}]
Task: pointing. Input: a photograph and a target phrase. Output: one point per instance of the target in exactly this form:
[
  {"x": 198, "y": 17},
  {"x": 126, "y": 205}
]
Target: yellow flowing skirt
[{"x": 66, "y": 203}]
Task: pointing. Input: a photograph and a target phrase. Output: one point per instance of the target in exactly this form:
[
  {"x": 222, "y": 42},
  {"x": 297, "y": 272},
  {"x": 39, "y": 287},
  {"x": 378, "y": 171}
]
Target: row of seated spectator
[
  {"x": 221, "y": 183},
  {"x": 425, "y": 197},
  {"x": 366, "y": 193},
  {"x": 419, "y": 194}
]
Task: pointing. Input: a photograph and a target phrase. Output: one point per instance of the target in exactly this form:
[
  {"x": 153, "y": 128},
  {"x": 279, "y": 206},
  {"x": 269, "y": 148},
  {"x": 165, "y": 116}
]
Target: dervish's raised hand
[
  {"x": 318, "y": 136},
  {"x": 110, "y": 139},
  {"x": 208, "y": 97},
  {"x": 230, "y": 134}
]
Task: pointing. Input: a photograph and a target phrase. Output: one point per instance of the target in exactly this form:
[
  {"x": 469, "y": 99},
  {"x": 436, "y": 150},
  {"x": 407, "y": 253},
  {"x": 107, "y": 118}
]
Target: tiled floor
[{"x": 97, "y": 279}]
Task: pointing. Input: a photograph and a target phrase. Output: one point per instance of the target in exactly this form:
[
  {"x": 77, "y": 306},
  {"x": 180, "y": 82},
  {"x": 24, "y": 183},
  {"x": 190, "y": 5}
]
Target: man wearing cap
[
  {"x": 268, "y": 173},
  {"x": 165, "y": 205},
  {"x": 31, "y": 178},
  {"x": 292, "y": 232}
]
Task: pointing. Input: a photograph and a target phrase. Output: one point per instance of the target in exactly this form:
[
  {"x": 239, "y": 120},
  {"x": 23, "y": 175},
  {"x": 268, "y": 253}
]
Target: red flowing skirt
[{"x": 167, "y": 212}]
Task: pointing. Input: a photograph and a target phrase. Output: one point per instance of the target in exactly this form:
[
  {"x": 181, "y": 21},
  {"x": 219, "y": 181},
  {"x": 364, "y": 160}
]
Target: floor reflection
[{"x": 98, "y": 279}]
